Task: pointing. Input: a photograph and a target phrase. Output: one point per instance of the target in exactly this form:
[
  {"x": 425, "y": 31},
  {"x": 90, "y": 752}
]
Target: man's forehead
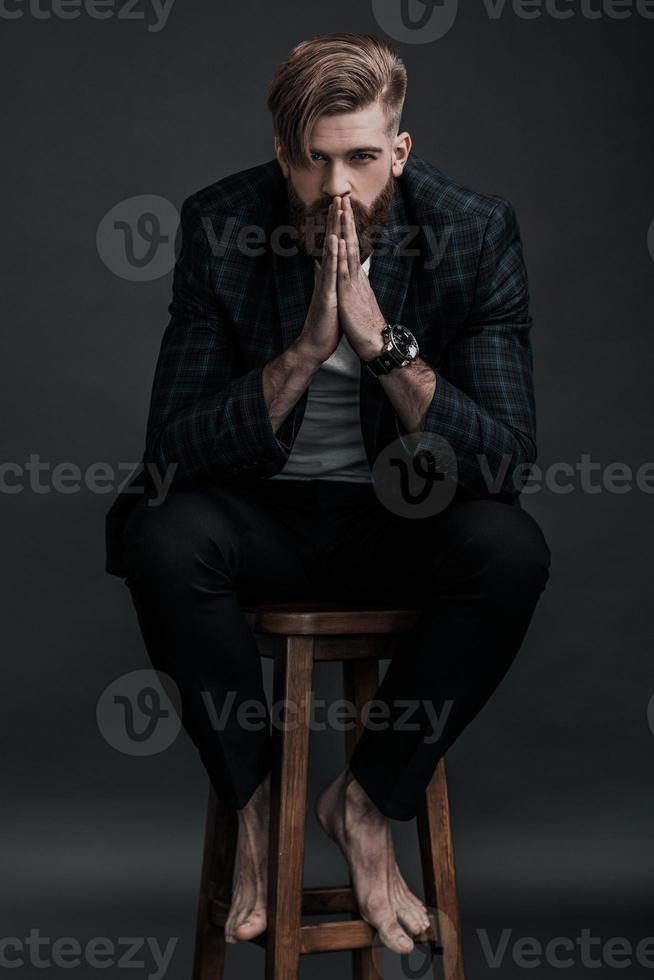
[{"x": 349, "y": 132}]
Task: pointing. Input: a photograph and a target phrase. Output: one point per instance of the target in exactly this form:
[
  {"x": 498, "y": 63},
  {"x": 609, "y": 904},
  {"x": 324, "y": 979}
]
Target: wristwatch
[{"x": 400, "y": 348}]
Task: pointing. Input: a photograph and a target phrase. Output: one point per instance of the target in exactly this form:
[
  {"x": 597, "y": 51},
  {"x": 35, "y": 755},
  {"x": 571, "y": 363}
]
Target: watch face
[{"x": 405, "y": 342}]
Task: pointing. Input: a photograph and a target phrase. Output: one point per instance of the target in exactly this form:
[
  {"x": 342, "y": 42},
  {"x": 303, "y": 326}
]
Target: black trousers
[{"x": 475, "y": 570}]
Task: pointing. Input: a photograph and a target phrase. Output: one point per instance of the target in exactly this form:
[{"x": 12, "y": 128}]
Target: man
[{"x": 278, "y": 388}]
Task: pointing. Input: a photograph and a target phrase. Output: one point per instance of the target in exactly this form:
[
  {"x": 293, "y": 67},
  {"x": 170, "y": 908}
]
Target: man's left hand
[{"x": 359, "y": 314}]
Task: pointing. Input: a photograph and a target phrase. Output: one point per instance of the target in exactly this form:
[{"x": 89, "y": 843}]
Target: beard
[{"x": 368, "y": 220}]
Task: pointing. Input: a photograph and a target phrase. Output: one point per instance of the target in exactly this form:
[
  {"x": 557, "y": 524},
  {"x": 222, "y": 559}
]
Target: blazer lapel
[{"x": 390, "y": 268}]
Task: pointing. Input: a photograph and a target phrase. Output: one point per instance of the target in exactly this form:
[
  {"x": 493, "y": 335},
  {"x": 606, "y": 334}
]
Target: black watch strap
[{"x": 382, "y": 364}]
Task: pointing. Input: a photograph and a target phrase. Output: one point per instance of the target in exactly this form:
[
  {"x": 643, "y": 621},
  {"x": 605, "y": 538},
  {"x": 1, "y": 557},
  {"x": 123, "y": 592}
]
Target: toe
[
  {"x": 252, "y": 925},
  {"x": 412, "y": 919},
  {"x": 407, "y": 894},
  {"x": 400, "y": 941},
  {"x": 407, "y": 898},
  {"x": 381, "y": 916},
  {"x": 394, "y": 936}
]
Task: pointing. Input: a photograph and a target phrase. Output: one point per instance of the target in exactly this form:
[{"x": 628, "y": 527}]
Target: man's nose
[{"x": 335, "y": 184}]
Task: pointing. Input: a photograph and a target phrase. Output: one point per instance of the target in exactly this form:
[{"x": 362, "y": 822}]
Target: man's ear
[
  {"x": 281, "y": 160},
  {"x": 401, "y": 151}
]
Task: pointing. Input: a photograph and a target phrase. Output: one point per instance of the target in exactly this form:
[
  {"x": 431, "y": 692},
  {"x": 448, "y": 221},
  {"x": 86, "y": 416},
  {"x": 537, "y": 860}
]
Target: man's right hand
[
  {"x": 287, "y": 376},
  {"x": 321, "y": 332}
]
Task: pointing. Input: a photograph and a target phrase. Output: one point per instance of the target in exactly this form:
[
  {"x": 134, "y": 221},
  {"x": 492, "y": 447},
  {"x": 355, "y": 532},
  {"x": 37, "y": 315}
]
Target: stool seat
[
  {"x": 358, "y": 635},
  {"x": 315, "y": 618}
]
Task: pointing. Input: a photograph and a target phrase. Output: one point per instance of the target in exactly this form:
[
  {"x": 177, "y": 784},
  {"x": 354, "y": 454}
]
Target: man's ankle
[
  {"x": 259, "y": 798},
  {"x": 356, "y": 794}
]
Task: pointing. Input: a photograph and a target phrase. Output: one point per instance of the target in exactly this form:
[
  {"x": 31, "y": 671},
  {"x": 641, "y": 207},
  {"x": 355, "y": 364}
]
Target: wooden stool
[{"x": 358, "y": 636}]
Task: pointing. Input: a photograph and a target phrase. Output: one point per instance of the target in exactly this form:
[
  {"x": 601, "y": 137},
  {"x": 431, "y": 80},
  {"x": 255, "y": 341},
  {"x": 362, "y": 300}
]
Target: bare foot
[
  {"x": 347, "y": 814},
  {"x": 247, "y": 913}
]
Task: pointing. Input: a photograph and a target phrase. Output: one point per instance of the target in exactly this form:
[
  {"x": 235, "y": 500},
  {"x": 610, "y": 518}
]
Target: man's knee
[
  {"x": 505, "y": 546},
  {"x": 166, "y": 544}
]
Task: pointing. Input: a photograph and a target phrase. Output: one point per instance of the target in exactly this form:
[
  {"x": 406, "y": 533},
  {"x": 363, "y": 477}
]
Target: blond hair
[{"x": 330, "y": 74}]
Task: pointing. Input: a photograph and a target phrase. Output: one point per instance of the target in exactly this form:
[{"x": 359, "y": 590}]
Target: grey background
[{"x": 551, "y": 787}]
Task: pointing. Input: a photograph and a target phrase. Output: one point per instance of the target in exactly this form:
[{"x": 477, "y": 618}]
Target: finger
[
  {"x": 331, "y": 272},
  {"x": 328, "y": 266},
  {"x": 338, "y": 230},
  {"x": 330, "y": 226},
  {"x": 351, "y": 237},
  {"x": 332, "y": 217},
  {"x": 343, "y": 268},
  {"x": 331, "y": 269}
]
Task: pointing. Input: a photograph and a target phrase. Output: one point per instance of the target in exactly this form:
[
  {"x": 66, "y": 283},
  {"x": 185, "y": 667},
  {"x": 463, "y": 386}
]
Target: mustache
[
  {"x": 367, "y": 219},
  {"x": 358, "y": 209},
  {"x": 363, "y": 214}
]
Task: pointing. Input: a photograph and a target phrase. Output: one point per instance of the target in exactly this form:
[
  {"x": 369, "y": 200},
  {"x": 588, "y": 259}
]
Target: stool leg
[
  {"x": 360, "y": 683},
  {"x": 293, "y": 673},
  {"x": 220, "y": 842},
  {"x": 438, "y": 871}
]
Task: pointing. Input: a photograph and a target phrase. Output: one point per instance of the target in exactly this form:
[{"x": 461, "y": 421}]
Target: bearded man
[{"x": 342, "y": 298}]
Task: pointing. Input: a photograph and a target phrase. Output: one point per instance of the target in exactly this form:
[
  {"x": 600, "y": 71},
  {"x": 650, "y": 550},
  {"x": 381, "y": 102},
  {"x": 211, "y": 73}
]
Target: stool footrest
[
  {"x": 319, "y": 901},
  {"x": 331, "y": 937},
  {"x": 326, "y": 937},
  {"x": 315, "y": 901}
]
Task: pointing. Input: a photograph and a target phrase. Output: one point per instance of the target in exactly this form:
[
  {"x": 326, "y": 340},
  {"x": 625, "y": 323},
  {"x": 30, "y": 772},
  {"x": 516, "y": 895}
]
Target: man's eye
[{"x": 362, "y": 156}]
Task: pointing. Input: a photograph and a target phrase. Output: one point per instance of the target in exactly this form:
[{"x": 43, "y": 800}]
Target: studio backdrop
[{"x": 115, "y": 113}]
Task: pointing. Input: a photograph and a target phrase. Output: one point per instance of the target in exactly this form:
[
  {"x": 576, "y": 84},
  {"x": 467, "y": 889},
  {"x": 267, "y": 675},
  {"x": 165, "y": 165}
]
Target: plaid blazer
[{"x": 448, "y": 264}]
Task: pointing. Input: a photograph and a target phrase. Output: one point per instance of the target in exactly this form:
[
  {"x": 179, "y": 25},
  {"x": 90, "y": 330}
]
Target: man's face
[{"x": 351, "y": 155}]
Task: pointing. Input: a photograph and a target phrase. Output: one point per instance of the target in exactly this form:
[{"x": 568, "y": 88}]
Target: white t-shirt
[{"x": 329, "y": 444}]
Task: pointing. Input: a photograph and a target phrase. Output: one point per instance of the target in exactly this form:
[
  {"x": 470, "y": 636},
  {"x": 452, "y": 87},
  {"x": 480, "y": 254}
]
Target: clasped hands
[{"x": 343, "y": 300}]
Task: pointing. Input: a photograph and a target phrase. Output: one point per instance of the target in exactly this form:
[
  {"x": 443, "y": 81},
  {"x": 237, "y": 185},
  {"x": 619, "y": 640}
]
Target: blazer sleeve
[
  {"x": 207, "y": 417},
  {"x": 481, "y": 423}
]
